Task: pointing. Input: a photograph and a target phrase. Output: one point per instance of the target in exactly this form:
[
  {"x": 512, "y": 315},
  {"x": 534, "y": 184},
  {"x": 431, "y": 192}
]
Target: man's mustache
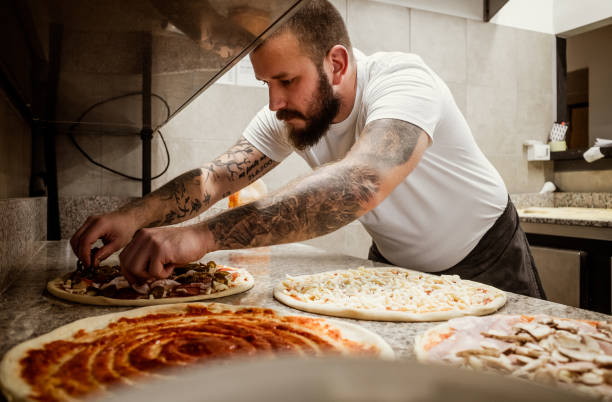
[{"x": 287, "y": 114}]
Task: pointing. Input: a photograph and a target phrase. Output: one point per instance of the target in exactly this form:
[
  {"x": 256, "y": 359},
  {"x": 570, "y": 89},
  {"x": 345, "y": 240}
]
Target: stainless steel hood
[{"x": 167, "y": 50}]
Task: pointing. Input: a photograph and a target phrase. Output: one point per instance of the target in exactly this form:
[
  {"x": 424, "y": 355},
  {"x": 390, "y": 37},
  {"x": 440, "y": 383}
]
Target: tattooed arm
[
  {"x": 195, "y": 191},
  {"x": 180, "y": 199},
  {"x": 329, "y": 198},
  {"x": 321, "y": 202}
]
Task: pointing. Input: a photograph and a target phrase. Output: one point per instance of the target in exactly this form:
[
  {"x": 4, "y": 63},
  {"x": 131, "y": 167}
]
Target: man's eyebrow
[{"x": 278, "y": 76}]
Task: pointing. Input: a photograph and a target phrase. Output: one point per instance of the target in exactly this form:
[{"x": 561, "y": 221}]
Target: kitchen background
[{"x": 502, "y": 74}]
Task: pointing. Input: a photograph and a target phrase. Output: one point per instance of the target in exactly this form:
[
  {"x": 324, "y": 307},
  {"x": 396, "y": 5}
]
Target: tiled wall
[
  {"x": 23, "y": 228},
  {"x": 501, "y": 78},
  {"x": 15, "y": 152}
]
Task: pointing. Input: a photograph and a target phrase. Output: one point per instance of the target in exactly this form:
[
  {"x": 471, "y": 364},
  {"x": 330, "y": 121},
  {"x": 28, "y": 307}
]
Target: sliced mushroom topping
[
  {"x": 532, "y": 366},
  {"x": 591, "y": 378},
  {"x": 500, "y": 363},
  {"x": 478, "y": 352},
  {"x": 590, "y": 344},
  {"x": 600, "y": 336},
  {"x": 522, "y": 337},
  {"x": 521, "y": 358},
  {"x": 604, "y": 360},
  {"x": 524, "y": 351},
  {"x": 565, "y": 325},
  {"x": 474, "y": 362},
  {"x": 568, "y": 340},
  {"x": 538, "y": 331},
  {"x": 558, "y": 357},
  {"x": 580, "y": 367},
  {"x": 487, "y": 344},
  {"x": 579, "y": 354}
]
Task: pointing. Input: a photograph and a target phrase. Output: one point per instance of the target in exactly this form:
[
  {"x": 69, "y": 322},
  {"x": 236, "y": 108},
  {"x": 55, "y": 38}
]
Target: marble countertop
[
  {"x": 597, "y": 217},
  {"x": 28, "y": 310}
]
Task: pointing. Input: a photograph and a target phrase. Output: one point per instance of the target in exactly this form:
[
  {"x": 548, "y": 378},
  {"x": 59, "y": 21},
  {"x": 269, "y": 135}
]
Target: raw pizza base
[
  {"x": 15, "y": 388},
  {"x": 385, "y": 315},
  {"x": 55, "y": 288}
]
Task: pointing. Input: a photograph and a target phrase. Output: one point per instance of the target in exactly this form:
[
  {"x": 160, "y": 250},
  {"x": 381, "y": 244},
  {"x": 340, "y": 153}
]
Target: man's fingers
[
  {"x": 105, "y": 251},
  {"x": 157, "y": 268},
  {"x": 134, "y": 260},
  {"x": 76, "y": 237},
  {"x": 87, "y": 239}
]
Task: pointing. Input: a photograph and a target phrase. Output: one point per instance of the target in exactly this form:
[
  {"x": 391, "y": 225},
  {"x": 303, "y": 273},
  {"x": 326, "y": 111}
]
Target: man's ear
[{"x": 338, "y": 59}]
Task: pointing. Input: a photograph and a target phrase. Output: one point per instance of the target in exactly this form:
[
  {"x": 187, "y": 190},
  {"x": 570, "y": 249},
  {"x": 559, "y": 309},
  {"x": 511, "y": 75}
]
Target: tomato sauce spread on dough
[{"x": 87, "y": 362}]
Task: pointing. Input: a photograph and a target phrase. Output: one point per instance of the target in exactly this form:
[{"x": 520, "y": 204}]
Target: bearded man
[{"x": 388, "y": 146}]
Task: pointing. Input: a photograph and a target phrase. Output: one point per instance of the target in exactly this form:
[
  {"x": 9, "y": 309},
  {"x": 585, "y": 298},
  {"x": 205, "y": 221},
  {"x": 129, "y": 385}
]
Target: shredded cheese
[{"x": 390, "y": 289}]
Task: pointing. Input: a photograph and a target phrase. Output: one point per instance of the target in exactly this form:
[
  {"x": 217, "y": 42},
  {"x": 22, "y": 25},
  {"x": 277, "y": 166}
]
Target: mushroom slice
[
  {"x": 590, "y": 378},
  {"x": 578, "y": 367},
  {"x": 474, "y": 362},
  {"x": 600, "y": 336},
  {"x": 565, "y": 325},
  {"x": 521, "y": 358},
  {"x": 525, "y": 351},
  {"x": 500, "y": 363},
  {"x": 579, "y": 355},
  {"x": 568, "y": 340},
  {"x": 604, "y": 360},
  {"x": 478, "y": 352},
  {"x": 521, "y": 337},
  {"x": 538, "y": 331},
  {"x": 558, "y": 357},
  {"x": 532, "y": 366},
  {"x": 591, "y": 344}
]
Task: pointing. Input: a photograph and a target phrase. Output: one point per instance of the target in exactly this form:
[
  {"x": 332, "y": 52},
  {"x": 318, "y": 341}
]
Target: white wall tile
[
  {"x": 375, "y": 27},
  {"x": 491, "y": 53},
  {"x": 441, "y": 41}
]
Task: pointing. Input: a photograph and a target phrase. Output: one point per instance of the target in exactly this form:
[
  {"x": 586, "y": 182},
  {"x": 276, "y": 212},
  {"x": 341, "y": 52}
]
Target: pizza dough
[
  {"x": 388, "y": 294},
  {"x": 557, "y": 351},
  {"x": 90, "y": 355},
  {"x": 242, "y": 282}
]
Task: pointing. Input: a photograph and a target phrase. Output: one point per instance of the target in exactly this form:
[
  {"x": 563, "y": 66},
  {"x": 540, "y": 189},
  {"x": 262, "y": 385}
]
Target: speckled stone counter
[
  {"x": 564, "y": 200},
  {"x": 23, "y": 227},
  {"x": 28, "y": 310}
]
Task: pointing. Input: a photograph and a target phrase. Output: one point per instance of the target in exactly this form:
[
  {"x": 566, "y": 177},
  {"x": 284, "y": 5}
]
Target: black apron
[{"x": 502, "y": 258}]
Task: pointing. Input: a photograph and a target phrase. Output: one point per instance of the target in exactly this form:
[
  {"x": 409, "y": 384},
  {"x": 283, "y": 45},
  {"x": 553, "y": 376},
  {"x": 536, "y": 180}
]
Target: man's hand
[
  {"x": 115, "y": 229},
  {"x": 154, "y": 252}
]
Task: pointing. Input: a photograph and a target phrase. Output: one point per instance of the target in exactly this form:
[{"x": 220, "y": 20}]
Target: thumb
[{"x": 104, "y": 252}]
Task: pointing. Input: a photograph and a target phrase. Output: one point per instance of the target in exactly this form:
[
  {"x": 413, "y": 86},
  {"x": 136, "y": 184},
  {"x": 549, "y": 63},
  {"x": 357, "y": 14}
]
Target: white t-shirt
[{"x": 437, "y": 215}]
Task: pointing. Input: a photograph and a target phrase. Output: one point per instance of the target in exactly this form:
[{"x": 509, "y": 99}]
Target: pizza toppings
[
  {"x": 187, "y": 280},
  {"x": 545, "y": 349},
  {"x": 396, "y": 293},
  {"x": 72, "y": 363}
]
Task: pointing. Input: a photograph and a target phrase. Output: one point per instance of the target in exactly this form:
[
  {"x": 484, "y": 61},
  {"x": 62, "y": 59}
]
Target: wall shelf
[{"x": 572, "y": 160}]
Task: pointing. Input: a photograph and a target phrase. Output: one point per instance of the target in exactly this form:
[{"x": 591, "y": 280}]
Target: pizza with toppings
[
  {"x": 557, "y": 351},
  {"x": 388, "y": 294},
  {"x": 104, "y": 285},
  {"x": 89, "y": 356}
]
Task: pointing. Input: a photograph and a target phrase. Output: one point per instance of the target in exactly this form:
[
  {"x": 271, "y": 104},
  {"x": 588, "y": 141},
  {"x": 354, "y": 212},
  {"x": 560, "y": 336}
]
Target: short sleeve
[
  {"x": 268, "y": 135},
  {"x": 404, "y": 90}
]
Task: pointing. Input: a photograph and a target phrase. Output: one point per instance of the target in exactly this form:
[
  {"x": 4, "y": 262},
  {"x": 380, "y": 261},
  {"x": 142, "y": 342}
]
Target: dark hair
[{"x": 318, "y": 27}]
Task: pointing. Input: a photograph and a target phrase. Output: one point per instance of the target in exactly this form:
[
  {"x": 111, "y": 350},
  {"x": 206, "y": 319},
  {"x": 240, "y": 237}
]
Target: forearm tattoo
[
  {"x": 179, "y": 203},
  {"x": 314, "y": 206},
  {"x": 189, "y": 194},
  {"x": 324, "y": 201}
]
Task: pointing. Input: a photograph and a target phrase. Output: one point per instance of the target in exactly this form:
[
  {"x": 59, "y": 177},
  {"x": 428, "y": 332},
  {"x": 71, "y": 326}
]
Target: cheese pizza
[
  {"x": 89, "y": 356},
  {"x": 557, "y": 351},
  {"x": 104, "y": 285},
  {"x": 388, "y": 294}
]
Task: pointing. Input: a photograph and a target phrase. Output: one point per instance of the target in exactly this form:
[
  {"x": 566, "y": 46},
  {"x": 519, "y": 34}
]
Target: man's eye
[{"x": 286, "y": 82}]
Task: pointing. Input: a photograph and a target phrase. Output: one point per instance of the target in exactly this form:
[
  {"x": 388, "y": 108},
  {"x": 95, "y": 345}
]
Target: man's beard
[{"x": 324, "y": 109}]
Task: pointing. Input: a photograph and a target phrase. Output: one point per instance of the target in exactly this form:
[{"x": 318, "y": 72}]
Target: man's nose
[{"x": 277, "y": 99}]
